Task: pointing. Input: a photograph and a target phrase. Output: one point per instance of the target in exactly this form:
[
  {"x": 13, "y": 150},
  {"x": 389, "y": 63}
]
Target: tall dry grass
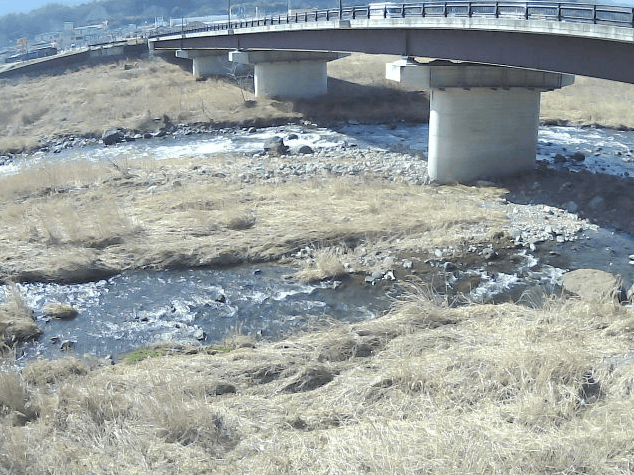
[
  {"x": 93, "y": 99},
  {"x": 590, "y": 101},
  {"x": 170, "y": 214},
  {"x": 425, "y": 389},
  {"x": 16, "y": 319}
]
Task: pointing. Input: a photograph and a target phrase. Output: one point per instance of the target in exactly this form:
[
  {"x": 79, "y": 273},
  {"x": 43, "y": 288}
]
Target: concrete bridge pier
[
  {"x": 483, "y": 119},
  {"x": 207, "y": 62},
  {"x": 288, "y": 74}
]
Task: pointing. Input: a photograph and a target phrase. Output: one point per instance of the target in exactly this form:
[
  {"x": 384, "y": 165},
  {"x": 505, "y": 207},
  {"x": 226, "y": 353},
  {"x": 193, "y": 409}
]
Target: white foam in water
[
  {"x": 491, "y": 287},
  {"x": 606, "y": 151},
  {"x": 601, "y": 148}
]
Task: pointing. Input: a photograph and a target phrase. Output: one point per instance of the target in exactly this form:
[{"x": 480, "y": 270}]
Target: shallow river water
[{"x": 135, "y": 309}]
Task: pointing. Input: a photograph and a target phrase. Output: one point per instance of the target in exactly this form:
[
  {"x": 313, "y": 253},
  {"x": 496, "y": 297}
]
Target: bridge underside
[{"x": 547, "y": 52}]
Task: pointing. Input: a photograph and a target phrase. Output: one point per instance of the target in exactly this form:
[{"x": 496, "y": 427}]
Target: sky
[{"x": 23, "y": 6}]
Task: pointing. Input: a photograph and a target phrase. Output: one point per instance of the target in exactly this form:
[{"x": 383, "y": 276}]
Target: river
[{"x": 203, "y": 306}]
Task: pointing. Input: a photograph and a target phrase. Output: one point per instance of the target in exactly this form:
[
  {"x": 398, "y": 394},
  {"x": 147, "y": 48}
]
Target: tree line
[{"x": 52, "y": 16}]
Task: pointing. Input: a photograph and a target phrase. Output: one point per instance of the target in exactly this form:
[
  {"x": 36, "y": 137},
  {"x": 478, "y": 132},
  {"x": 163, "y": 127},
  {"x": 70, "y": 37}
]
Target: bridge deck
[{"x": 590, "y": 40}]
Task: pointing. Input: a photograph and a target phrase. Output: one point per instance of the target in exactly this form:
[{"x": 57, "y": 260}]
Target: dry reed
[{"x": 426, "y": 388}]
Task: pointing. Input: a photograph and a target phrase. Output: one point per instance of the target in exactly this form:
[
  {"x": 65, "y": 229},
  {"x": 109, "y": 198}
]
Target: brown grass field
[{"x": 424, "y": 389}]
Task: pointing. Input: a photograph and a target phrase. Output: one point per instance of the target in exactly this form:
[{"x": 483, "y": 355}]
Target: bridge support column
[
  {"x": 288, "y": 74},
  {"x": 207, "y": 62},
  {"x": 483, "y": 120}
]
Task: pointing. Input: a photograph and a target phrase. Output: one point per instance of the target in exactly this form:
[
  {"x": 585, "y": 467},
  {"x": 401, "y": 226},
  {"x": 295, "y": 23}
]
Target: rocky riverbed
[{"x": 185, "y": 199}]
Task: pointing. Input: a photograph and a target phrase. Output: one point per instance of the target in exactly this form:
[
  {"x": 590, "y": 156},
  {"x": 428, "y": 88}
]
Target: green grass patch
[{"x": 142, "y": 354}]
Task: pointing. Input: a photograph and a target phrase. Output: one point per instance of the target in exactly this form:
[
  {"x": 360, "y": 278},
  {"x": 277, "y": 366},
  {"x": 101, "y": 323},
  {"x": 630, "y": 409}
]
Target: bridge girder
[{"x": 549, "y": 52}]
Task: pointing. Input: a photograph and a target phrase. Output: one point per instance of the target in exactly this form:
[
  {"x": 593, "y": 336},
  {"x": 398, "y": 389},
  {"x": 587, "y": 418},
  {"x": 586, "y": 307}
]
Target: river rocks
[
  {"x": 578, "y": 157},
  {"x": 570, "y": 206},
  {"x": 112, "y": 136},
  {"x": 592, "y": 284},
  {"x": 489, "y": 253},
  {"x": 275, "y": 146},
  {"x": 60, "y": 311},
  {"x": 67, "y": 345},
  {"x": 597, "y": 203},
  {"x": 306, "y": 150}
]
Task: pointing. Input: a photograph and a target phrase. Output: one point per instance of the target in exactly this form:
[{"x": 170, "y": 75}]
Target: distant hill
[{"x": 51, "y": 17}]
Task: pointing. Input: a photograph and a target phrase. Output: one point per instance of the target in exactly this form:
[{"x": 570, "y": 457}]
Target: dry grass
[
  {"x": 425, "y": 389},
  {"x": 16, "y": 319},
  {"x": 62, "y": 228},
  {"x": 94, "y": 99},
  {"x": 591, "y": 101},
  {"x": 325, "y": 264},
  {"x": 91, "y": 100}
]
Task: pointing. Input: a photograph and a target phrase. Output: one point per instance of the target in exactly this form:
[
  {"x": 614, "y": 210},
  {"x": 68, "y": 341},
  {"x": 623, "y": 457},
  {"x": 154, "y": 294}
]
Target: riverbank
[
  {"x": 495, "y": 389},
  {"x": 533, "y": 388},
  {"x": 136, "y": 96}
]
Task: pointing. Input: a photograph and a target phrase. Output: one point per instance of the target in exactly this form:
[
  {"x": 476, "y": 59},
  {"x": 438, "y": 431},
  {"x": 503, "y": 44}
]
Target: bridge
[{"x": 484, "y": 110}]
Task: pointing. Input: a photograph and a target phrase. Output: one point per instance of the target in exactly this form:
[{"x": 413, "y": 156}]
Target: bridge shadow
[
  {"x": 364, "y": 103},
  {"x": 605, "y": 200}
]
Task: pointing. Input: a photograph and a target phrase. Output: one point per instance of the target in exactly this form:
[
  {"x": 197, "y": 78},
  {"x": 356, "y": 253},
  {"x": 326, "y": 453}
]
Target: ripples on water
[{"x": 135, "y": 309}]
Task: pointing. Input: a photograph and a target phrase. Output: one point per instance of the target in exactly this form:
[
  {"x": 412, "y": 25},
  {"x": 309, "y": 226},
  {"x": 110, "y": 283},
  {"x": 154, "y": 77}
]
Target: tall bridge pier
[
  {"x": 207, "y": 62},
  {"x": 288, "y": 74},
  {"x": 483, "y": 119}
]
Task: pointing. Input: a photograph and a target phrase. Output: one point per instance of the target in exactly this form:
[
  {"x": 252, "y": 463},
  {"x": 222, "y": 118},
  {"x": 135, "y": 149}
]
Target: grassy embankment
[
  {"x": 425, "y": 389},
  {"x": 90, "y": 100}
]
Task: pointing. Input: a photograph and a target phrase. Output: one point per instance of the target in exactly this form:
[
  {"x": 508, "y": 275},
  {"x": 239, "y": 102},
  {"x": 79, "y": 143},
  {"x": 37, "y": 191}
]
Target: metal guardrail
[{"x": 562, "y": 12}]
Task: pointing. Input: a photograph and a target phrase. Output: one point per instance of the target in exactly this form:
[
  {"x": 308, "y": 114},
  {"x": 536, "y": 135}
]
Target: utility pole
[{"x": 228, "y": 14}]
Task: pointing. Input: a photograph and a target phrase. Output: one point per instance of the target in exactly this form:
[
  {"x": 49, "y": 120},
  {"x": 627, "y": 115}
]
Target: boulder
[
  {"x": 275, "y": 146},
  {"x": 112, "y": 136},
  {"x": 60, "y": 311},
  {"x": 306, "y": 150},
  {"x": 597, "y": 203},
  {"x": 570, "y": 206},
  {"x": 489, "y": 253},
  {"x": 592, "y": 284}
]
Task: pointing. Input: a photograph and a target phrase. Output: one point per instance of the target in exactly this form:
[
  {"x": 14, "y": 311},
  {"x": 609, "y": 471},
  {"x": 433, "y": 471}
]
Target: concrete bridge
[{"x": 484, "y": 111}]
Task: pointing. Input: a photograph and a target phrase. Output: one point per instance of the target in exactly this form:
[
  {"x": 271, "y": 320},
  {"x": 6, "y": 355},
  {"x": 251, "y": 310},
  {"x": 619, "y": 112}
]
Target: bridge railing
[{"x": 550, "y": 11}]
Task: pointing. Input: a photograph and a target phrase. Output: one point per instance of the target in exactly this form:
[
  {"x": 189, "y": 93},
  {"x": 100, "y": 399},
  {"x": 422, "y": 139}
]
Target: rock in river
[
  {"x": 112, "y": 136},
  {"x": 592, "y": 284}
]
